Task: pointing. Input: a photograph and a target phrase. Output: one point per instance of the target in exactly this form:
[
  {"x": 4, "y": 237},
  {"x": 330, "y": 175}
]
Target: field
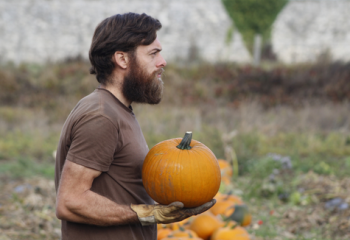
[{"x": 288, "y": 126}]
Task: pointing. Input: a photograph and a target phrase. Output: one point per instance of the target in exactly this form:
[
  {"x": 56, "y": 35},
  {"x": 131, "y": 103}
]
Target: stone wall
[
  {"x": 305, "y": 30},
  {"x": 51, "y": 30}
]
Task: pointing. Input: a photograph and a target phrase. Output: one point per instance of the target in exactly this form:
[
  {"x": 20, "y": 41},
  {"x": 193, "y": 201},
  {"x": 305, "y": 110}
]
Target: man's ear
[{"x": 121, "y": 59}]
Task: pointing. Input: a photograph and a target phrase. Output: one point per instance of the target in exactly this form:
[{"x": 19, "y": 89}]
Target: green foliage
[
  {"x": 246, "y": 147},
  {"x": 229, "y": 34},
  {"x": 35, "y": 145},
  {"x": 211, "y": 137},
  {"x": 268, "y": 228},
  {"x": 325, "y": 154},
  {"x": 323, "y": 168},
  {"x": 26, "y": 168},
  {"x": 259, "y": 170},
  {"x": 253, "y": 16}
]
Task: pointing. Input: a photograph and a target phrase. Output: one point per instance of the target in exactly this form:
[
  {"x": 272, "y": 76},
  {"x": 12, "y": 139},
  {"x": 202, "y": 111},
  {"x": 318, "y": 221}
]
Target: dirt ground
[
  {"x": 27, "y": 210},
  {"x": 322, "y": 211}
]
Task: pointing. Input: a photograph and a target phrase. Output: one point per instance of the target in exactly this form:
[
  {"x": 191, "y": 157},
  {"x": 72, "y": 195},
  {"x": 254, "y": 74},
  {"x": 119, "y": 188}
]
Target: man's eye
[{"x": 154, "y": 53}]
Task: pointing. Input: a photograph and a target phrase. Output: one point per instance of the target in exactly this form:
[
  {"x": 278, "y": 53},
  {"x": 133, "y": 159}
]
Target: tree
[{"x": 254, "y": 18}]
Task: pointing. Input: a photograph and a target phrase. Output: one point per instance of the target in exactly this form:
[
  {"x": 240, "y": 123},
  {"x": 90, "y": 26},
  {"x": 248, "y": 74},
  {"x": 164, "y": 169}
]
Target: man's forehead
[{"x": 155, "y": 45}]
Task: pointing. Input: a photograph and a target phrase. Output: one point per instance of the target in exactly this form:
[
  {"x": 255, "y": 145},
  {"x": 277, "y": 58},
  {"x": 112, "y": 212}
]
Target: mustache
[{"x": 160, "y": 71}]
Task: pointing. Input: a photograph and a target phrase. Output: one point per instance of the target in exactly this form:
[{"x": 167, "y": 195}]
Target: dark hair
[{"x": 121, "y": 32}]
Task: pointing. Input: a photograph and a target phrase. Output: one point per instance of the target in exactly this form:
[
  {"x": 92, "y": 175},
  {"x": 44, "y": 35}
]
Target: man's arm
[{"x": 75, "y": 201}]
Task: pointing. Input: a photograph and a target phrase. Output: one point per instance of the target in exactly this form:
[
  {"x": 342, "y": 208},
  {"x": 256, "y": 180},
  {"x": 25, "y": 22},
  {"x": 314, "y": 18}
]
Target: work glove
[{"x": 174, "y": 212}]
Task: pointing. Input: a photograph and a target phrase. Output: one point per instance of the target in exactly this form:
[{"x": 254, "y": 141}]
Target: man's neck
[{"x": 115, "y": 89}]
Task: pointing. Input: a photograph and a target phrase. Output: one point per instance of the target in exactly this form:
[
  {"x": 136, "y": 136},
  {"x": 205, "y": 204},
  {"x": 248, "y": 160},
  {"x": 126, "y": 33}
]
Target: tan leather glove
[{"x": 174, "y": 212}]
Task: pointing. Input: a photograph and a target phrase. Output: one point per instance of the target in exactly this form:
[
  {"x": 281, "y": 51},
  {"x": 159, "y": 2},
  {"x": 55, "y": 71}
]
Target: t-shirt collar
[{"x": 129, "y": 109}]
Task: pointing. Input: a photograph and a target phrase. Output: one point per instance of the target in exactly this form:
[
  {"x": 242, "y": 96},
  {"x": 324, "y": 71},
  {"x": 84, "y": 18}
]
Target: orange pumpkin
[
  {"x": 182, "y": 238},
  {"x": 162, "y": 233},
  {"x": 226, "y": 171},
  {"x": 182, "y": 170},
  {"x": 181, "y": 224},
  {"x": 247, "y": 220},
  {"x": 184, "y": 233},
  {"x": 232, "y": 198},
  {"x": 221, "y": 207},
  {"x": 229, "y": 233},
  {"x": 205, "y": 224},
  {"x": 218, "y": 196},
  {"x": 225, "y": 203},
  {"x": 225, "y": 167},
  {"x": 231, "y": 224}
]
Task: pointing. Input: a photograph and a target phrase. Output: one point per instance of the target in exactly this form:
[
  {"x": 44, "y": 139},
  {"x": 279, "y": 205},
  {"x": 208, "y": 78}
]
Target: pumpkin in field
[
  {"x": 224, "y": 203},
  {"x": 226, "y": 171},
  {"x": 218, "y": 196},
  {"x": 221, "y": 207},
  {"x": 184, "y": 233},
  {"x": 229, "y": 233},
  {"x": 232, "y": 198},
  {"x": 182, "y": 238},
  {"x": 182, "y": 170},
  {"x": 225, "y": 167},
  {"x": 181, "y": 224},
  {"x": 163, "y": 232},
  {"x": 205, "y": 224}
]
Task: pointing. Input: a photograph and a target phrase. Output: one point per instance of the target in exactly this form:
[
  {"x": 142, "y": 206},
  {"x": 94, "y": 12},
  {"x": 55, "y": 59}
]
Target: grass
[
  {"x": 26, "y": 168},
  {"x": 35, "y": 145},
  {"x": 324, "y": 152}
]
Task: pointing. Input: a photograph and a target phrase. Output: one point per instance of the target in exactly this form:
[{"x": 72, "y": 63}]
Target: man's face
[{"x": 143, "y": 83}]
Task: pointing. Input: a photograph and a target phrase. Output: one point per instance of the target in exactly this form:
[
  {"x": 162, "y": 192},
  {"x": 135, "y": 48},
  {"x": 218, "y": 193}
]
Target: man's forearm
[{"x": 92, "y": 208}]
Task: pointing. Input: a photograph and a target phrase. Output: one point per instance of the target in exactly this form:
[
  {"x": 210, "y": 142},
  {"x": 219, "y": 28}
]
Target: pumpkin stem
[
  {"x": 234, "y": 226},
  {"x": 186, "y": 141},
  {"x": 228, "y": 195},
  {"x": 227, "y": 220}
]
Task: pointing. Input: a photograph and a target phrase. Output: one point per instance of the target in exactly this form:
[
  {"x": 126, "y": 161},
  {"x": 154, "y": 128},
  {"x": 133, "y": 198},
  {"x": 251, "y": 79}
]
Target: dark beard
[{"x": 140, "y": 87}]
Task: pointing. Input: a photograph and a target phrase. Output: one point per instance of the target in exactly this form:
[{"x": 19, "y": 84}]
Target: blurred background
[{"x": 265, "y": 84}]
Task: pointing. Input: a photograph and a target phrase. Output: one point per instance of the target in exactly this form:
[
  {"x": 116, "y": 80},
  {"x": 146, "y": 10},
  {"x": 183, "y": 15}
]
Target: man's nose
[{"x": 162, "y": 62}]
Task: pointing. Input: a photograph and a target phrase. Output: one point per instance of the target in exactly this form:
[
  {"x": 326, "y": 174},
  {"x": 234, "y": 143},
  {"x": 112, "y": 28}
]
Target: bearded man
[{"x": 101, "y": 149}]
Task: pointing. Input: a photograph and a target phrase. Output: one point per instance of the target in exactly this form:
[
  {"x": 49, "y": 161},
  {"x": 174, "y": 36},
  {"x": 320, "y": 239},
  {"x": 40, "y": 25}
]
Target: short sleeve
[{"x": 94, "y": 141}]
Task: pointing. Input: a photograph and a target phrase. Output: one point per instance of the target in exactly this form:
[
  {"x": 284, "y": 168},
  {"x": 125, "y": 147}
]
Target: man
[{"x": 101, "y": 149}]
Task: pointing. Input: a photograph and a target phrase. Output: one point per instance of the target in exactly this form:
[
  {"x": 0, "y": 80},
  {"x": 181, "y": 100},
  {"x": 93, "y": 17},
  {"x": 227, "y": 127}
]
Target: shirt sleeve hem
[{"x": 87, "y": 163}]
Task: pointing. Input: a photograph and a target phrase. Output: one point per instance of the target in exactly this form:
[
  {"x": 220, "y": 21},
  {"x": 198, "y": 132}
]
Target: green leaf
[{"x": 253, "y": 16}]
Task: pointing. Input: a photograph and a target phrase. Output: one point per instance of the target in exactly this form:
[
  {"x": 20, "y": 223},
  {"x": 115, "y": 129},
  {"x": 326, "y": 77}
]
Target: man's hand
[{"x": 174, "y": 212}]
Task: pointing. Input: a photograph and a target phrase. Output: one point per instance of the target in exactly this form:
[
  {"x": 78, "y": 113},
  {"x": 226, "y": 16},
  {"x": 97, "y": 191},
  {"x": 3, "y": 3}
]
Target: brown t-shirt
[{"x": 103, "y": 134}]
